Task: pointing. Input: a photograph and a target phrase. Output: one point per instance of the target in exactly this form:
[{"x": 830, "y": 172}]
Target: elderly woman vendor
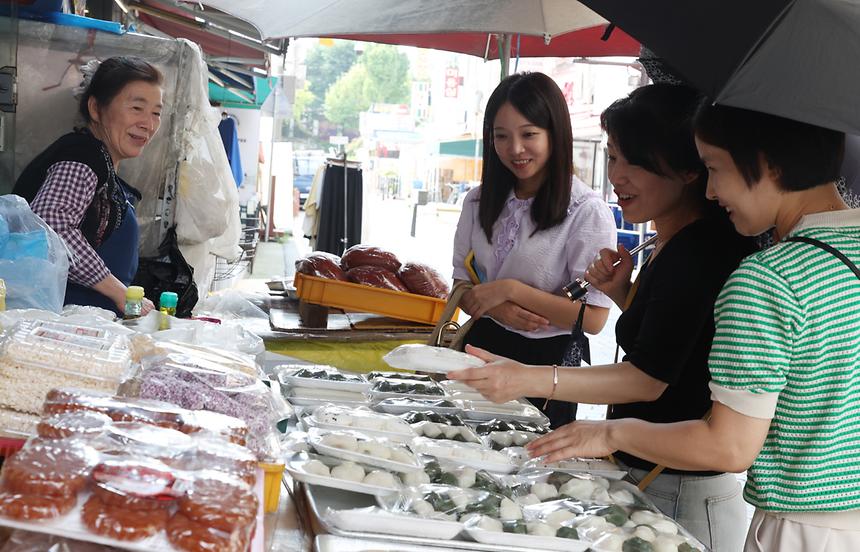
[{"x": 74, "y": 187}]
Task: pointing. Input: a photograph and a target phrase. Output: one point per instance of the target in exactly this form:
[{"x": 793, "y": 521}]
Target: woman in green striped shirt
[{"x": 785, "y": 361}]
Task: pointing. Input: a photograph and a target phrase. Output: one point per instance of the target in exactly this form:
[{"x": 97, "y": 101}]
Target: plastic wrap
[
  {"x": 157, "y": 413},
  {"x": 321, "y": 265},
  {"x": 129, "y": 484},
  {"x": 201, "y": 386},
  {"x": 375, "y": 276},
  {"x": 384, "y": 388},
  {"x": 402, "y": 405},
  {"x": 342, "y": 474},
  {"x": 38, "y": 355},
  {"x": 440, "y": 426},
  {"x": 17, "y": 424},
  {"x": 331, "y": 416},
  {"x": 424, "y": 358},
  {"x": 320, "y": 376},
  {"x": 398, "y": 376},
  {"x": 34, "y": 261},
  {"x": 195, "y": 355},
  {"x": 423, "y": 280},
  {"x": 25, "y": 541},
  {"x": 363, "y": 448},
  {"x": 443, "y": 502},
  {"x": 469, "y": 454},
  {"x": 367, "y": 255}
]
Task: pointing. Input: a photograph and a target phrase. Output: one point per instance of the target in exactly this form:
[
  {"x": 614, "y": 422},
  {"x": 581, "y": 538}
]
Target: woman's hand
[
  {"x": 514, "y": 316},
  {"x": 483, "y": 297},
  {"x": 614, "y": 281},
  {"x": 147, "y": 307},
  {"x": 580, "y": 439},
  {"x": 500, "y": 380}
]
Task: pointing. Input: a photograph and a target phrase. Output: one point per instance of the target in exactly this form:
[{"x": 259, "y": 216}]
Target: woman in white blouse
[{"x": 533, "y": 227}]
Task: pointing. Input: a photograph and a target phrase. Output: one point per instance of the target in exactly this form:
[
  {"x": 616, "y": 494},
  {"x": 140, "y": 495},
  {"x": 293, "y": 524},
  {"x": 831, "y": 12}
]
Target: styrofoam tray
[
  {"x": 289, "y": 378},
  {"x": 526, "y": 541},
  {"x": 315, "y": 436},
  {"x": 377, "y": 520},
  {"x": 295, "y": 466},
  {"x": 511, "y": 410},
  {"x": 445, "y": 449},
  {"x": 310, "y": 422},
  {"x": 403, "y": 404},
  {"x": 425, "y": 358}
]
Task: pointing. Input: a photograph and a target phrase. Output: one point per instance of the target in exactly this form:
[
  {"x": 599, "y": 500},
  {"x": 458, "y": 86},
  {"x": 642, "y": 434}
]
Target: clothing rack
[{"x": 344, "y": 162}]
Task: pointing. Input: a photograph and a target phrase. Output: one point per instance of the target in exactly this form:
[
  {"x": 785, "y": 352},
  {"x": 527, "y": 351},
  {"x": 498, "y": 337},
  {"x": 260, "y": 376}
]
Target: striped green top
[{"x": 788, "y": 329}]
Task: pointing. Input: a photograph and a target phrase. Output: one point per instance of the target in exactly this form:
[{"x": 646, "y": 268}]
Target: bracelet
[{"x": 554, "y": 385}]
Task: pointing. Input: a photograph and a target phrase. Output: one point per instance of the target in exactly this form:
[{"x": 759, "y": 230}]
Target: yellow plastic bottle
[
  {"x": 167, "y": 305},
  {"x": 133, "y": 302}
]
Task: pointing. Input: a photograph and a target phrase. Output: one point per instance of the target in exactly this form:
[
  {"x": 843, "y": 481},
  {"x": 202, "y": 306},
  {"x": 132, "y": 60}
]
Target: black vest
[{"x": 104, "y": 214}]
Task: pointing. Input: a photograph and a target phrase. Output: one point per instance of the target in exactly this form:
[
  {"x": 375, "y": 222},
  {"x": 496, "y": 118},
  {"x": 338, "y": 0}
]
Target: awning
[{"x": 461, "y": 148}]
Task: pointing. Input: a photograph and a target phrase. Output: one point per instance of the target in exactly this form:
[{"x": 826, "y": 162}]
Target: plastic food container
[
  {"x": 355, "y": 297},
  {"x": 271, "y": 485}
]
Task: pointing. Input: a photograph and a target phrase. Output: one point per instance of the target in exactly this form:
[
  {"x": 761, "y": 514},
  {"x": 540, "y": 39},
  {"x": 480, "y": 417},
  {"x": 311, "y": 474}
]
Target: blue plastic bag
[{"x": 34, "y": 260}]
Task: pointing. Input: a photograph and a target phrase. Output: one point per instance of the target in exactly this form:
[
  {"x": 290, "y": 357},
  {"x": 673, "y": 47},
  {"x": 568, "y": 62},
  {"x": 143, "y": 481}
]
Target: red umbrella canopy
[{"x": 583, "y": 43}]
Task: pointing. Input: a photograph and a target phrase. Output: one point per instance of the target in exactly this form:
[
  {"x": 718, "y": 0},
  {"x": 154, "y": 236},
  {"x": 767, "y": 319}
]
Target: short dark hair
[
  {"x": 541, "y": 101},
  {"x": 110, "y": 78},
  {"x": 804, "y": 155},
  {"x": 653, "y": 129}
]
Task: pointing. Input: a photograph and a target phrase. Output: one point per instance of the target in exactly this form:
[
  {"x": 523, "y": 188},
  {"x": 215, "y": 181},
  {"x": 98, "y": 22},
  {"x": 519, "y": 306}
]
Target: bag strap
[
  {"x": 829, "y": 248},
  {"x": 658, "y": 469},
  {"x": 445, "y": 320}
]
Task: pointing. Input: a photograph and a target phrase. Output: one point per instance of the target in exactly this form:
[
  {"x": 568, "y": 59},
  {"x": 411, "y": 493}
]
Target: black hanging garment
[{"x": 331, "y": 232}]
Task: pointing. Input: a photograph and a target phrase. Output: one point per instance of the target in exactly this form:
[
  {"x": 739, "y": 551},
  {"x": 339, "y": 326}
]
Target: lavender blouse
[{"x": 546, "y": 260}]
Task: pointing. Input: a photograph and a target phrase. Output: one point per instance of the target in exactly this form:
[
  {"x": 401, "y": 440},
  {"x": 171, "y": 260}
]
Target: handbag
[
  {"x": 168, "y": 271},
  {"x": 578, "y": 348}
]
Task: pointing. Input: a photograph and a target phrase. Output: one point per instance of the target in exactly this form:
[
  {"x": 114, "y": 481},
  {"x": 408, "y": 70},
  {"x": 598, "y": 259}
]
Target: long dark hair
[
  {"x": 653, "y": 129},
  {"x": 111, "y": 77},
  {"x": 540, "y": 100}
]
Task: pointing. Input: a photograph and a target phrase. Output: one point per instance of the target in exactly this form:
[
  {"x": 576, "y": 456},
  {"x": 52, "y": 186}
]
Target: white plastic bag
[{"x": 34, "y": 261}]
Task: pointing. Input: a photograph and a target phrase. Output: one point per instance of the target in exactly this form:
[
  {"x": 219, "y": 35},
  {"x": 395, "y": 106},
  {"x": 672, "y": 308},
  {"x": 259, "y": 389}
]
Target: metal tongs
[{"x": 579, "y": 287}]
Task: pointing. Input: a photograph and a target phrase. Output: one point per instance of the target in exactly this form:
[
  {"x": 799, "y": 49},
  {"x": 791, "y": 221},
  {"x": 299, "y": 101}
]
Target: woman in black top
[{"x": 667, "y": 324}]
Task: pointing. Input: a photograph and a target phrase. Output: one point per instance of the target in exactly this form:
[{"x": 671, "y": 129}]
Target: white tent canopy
[{"x": 294, "y": 18}]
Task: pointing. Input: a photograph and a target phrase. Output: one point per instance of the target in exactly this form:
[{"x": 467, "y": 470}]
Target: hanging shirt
[{"x": 230, "y": 136}]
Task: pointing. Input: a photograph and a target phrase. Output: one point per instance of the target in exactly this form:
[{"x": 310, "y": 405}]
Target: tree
[
  {"x": 325, "y": 65},
  {"x": 380, "y": 76},
  {"x": 301, "y": 104},
  {"x": 346, "y": 99},
  {"x": 388, "y": 72}
]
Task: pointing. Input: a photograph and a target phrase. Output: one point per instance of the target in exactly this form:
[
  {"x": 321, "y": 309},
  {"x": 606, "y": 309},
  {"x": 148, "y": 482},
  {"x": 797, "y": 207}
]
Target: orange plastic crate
[{"x": 358, "y": 298}]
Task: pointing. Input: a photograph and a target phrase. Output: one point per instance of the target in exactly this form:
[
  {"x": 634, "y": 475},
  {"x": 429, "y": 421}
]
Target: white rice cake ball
[
  {"x": 509, "y": 510},
  {"x": 402, "y": 456},
  {"x": 368, "y": 422},
  {"x": 528, "y": 500},
  {"x": 317, "y": 468},
  {"x": 540, "y": 529},
  {"x": 580, "y": 489},
  {"x": 377, "y": 450},
  {"x": 380, "y": 478},
  {"x": 557, "y": 518},
  {"x": 417, "y": 477},
  {"x": 544, "y": 491},
  {"x": 466, "y": 478},
  {"x": 349, "y": 471},
  {"x": 421, "y": 507},
  {"x": 490, "y": 524},
  {"x": 340, "y": 441}
]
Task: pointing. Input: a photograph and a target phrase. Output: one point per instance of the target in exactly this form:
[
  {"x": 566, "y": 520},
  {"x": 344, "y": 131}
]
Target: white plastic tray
[
  {"x": 424, "y": 358},
  {"x": 312, "y": 421},
  {"x": 295, "y": 466},
  {"x": 402, "y": 405},
  {"x": 526, "y": 541},
  {"x": 315, "y": 436},
  {"x": 439, "y": 447},
  {"x": 377, "y": 520},
  {"x": 512, "y": 410},
  {"x": 288, "y": 378}
]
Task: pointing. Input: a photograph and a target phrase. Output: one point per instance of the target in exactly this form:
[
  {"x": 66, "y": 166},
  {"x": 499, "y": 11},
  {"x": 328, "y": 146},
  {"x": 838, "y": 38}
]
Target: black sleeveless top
[{"x": 105, "y": 212}]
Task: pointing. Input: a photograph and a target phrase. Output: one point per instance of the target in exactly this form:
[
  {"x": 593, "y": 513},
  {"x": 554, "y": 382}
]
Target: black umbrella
[{"x": 794, "y": 58}]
